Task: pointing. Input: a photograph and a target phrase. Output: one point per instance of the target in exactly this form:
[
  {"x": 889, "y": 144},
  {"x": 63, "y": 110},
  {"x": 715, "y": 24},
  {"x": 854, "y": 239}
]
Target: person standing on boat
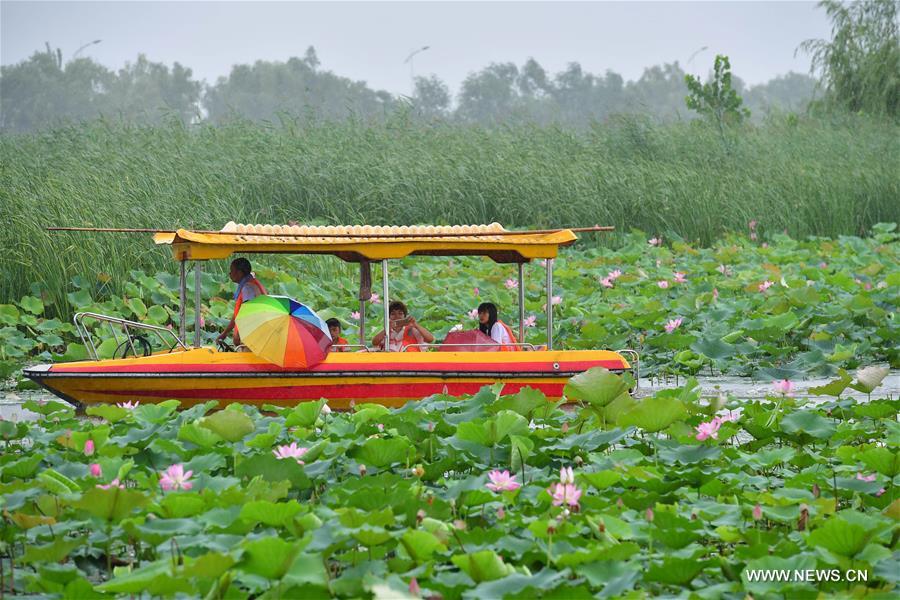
[
  {"x": 248, "y": 288},
  {"x": 491, "y": 325},
  {"x": 405, "y": 331}
]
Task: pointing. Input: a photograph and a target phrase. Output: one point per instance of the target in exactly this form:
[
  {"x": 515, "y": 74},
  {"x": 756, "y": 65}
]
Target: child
[
  {"x": 334, "y": 328},
  {"x": 491, "y": 325}
]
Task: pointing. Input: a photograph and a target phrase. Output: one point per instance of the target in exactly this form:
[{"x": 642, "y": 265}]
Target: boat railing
[
  {"x": 346, "y": 347},
  {"x": 166, "y": 336},
  {"x": 524, "y": 345}
]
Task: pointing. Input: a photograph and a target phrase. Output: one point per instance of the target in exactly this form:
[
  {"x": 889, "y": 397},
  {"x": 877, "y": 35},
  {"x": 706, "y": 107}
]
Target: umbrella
[
  {"x": 473, "y": 336},
  {"x": 283, "y": 331}
]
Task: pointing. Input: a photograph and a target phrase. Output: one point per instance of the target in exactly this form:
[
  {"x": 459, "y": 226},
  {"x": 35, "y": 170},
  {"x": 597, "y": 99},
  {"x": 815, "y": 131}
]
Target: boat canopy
[{"x": 360, "y": 243}]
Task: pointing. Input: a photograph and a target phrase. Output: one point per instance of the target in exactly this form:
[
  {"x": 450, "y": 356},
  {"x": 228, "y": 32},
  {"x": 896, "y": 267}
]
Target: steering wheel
[
  {"x": 224, "y": 346},
  {"x": 141, "y": 344}
]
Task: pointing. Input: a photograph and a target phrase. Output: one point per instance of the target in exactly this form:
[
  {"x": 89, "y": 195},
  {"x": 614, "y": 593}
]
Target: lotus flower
[
  {"x": 708, "y": 430},
  {"x": 129, "y": 405},
  {"x": 664, "y": 285},
  {"x": 355, "y": 315},
  {"x": 414, "y": 589},
  {"x": 89, "y": 448},
  {"x": 291, "y": 451},
  {"x": 673, "y": 324},
  {"x": 502, "y": 481},
  {"x": 112, "y": 484},
  {"x": 566, "y": 475},
  {"x": 679, "y": 277},
  {"x": 757, "y": 512},
  {"x": 511, "y": 284},
  {"x": 175, "y": 478},
  {"x": 765, "y": 285},
  {"x": 867, "y": 478},
  {"x": 326, "y": 410},
  {"x": 724, "y": 270},
  {"x": 475, "y": 291},
  {"x": 752, "y": 236},
  {"x": 614, "y": 274},
  {"x": 783, "y": 386},
  {"x": 375, "y": 299},
  {"x": 654, "y": 241},
  {"x": 543, "y": 262},
  {"x": 752, "y": 224},
  {"x": 529, "y": 321},
  {"x": 606, "y": 282},
  {"x": 473, "y": 314},
  {"x": 555, "y": 300},
  {"x": 96, "y": 471},
  {"x": 501, "y": 514},
  {"x": 565, "y": 494}
]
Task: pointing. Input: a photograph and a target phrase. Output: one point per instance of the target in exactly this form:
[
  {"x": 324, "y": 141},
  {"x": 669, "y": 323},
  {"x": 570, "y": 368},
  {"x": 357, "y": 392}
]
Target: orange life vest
[
  {"x": 408, "y": 340},
  {"x": 237, "y": 303},
  {"x": 512, "y": 337},
  {"x": 341, "y": 342}
]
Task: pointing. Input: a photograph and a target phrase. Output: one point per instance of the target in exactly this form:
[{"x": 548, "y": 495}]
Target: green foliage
[
  {"x": 860, "y": 64},
  {"x": 716, "y": 99},
  {"x": 255, "y": 525}
]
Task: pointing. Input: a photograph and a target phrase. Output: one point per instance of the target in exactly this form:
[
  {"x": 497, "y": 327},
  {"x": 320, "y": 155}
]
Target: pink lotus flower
[
  {"x": 752, "y": 236},
  {"x": 654, "y": 241},
  {"x": 175, "y": 478},
  {"x": 663, "y": 285},
  {"x": 565, "y": 494},
  {"x": 729, "y": 417},
  {"x": 501, "y": 514},
  {"x": 529, "y": 321},
  {"x": 292, "y": 451},
  {"x": 862, "y": 477},
  {"x": 783, "y": 387},
  {"x": 752, "y": 224},
  {"x": 723, "y": 270},
  {"x": 380, "y": 426},
  {"x": 129, "y": 405},
  {"x": 375, "y": 299},
  {"x": 823, "y": 265},
  {"x": 112, "y": 484},
  {"x": 414, "y": 589},
  {"x": 511, "y": 284},
  {"x": 202, "y": 322},
  {"x": 757, "y": 512},
  {"x": 765, "y": 285},
  {"x": 502, "y": 481},
  {"x": 89, "y": 448},
  {"x": 476, "y": 291},
  {"x": 543, "y": 262},
  {"x": 673, "y": 324},
  {"x": 355, "y": 315},
  {"x": 764, "y": 245},
  {"x": 606, "y": 282},
  {"x": 555, "y": 300},
  {"x": 708, "y": 430},
  {"x": 566, "y": 475},
  {"x": 879, "y": 492},
  {"x": 473, "y": 314},
  {"x": 326, "y": 410},
  {"x": 96, "y": 471},
  {"x": 613, "y": 275},
  {"x": 649, "y": 514},
  {"x": 679, "y": 277}
]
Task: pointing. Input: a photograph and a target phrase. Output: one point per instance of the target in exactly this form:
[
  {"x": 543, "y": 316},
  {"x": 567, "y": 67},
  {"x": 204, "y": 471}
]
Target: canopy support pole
[
  {"x": 362, "y": 322},
  {"x": 182, "y": 298},
  {"x": 521, "y": 302},
  {"x": 549, "y": 304},
  {"x": 198, "y": 269},
  {"x": 386, "y": 303}
]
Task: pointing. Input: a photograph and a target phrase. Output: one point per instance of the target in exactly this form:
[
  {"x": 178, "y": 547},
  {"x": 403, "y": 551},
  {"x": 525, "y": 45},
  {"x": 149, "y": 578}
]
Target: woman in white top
[{"x": 490, "y": 325}]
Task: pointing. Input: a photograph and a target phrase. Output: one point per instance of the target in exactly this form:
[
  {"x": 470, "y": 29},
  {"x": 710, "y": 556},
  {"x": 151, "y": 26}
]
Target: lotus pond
[
  {"x": 761, "y": 304},
  {"x": 482, "y": 497}
]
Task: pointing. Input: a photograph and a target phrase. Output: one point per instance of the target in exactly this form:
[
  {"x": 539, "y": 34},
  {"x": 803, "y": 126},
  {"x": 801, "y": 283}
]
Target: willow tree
[{"x": 860, "y": 66}]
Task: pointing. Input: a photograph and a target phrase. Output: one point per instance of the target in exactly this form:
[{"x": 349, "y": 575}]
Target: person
[
  {"x": 334, "y": 328},
  {"x": 248, "y": 288},
  {"x": 405, "y": 331},
  {"x": 492, "y": 326}
]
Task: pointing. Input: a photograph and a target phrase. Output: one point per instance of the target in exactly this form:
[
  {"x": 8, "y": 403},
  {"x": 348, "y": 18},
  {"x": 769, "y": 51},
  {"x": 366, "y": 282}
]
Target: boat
[{"x": 173, "y": 368}]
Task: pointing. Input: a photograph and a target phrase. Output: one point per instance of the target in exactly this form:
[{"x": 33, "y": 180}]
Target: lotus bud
[
  {"x": 601, "y": 526},
  {"x": 579, "y": 461},
  {"x": 565, "y": 428},
  {"x": 757, "y": 512},
  {"x": 816, "y": 491},
  {"x": 414, "y": 589},
  {"x": 420, "y": 516},
  {"x": 693, "y": 516},
  {"x": 804, "y": 517},
  {"x": 362, "y": 470},
  {"x": 551, "y": 526},
  {"x": 649, "y": 514},
  {"x": 89, "y": 448},
  {"x": 96, "y": 471},
  {"x": 619, "y": 504}
]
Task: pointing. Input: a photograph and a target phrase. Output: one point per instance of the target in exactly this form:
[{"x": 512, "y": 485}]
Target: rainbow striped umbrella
[{"x": 283, "y": 331}]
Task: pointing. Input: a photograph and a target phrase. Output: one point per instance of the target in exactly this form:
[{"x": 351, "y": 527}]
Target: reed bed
[{"x": 805, "y": 176}]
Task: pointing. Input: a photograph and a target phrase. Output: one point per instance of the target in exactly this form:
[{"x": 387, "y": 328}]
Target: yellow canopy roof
[{"x": 367, "y": 242}]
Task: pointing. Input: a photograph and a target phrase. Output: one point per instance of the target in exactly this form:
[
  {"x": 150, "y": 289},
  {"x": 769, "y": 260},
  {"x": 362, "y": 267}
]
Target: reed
[{"x": 805, "y": 176}]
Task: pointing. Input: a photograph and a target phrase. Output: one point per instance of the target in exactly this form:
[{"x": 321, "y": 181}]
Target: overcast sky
[{"x": 370, "y": 40}]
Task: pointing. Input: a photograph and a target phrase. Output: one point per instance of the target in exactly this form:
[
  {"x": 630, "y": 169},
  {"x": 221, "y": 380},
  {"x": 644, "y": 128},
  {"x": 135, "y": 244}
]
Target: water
[{"x": 739, "y": 387}]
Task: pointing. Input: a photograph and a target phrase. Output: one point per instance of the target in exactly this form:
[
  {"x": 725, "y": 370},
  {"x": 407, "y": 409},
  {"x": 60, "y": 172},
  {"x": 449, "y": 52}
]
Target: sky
[{"x": 370, "y": 41}]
